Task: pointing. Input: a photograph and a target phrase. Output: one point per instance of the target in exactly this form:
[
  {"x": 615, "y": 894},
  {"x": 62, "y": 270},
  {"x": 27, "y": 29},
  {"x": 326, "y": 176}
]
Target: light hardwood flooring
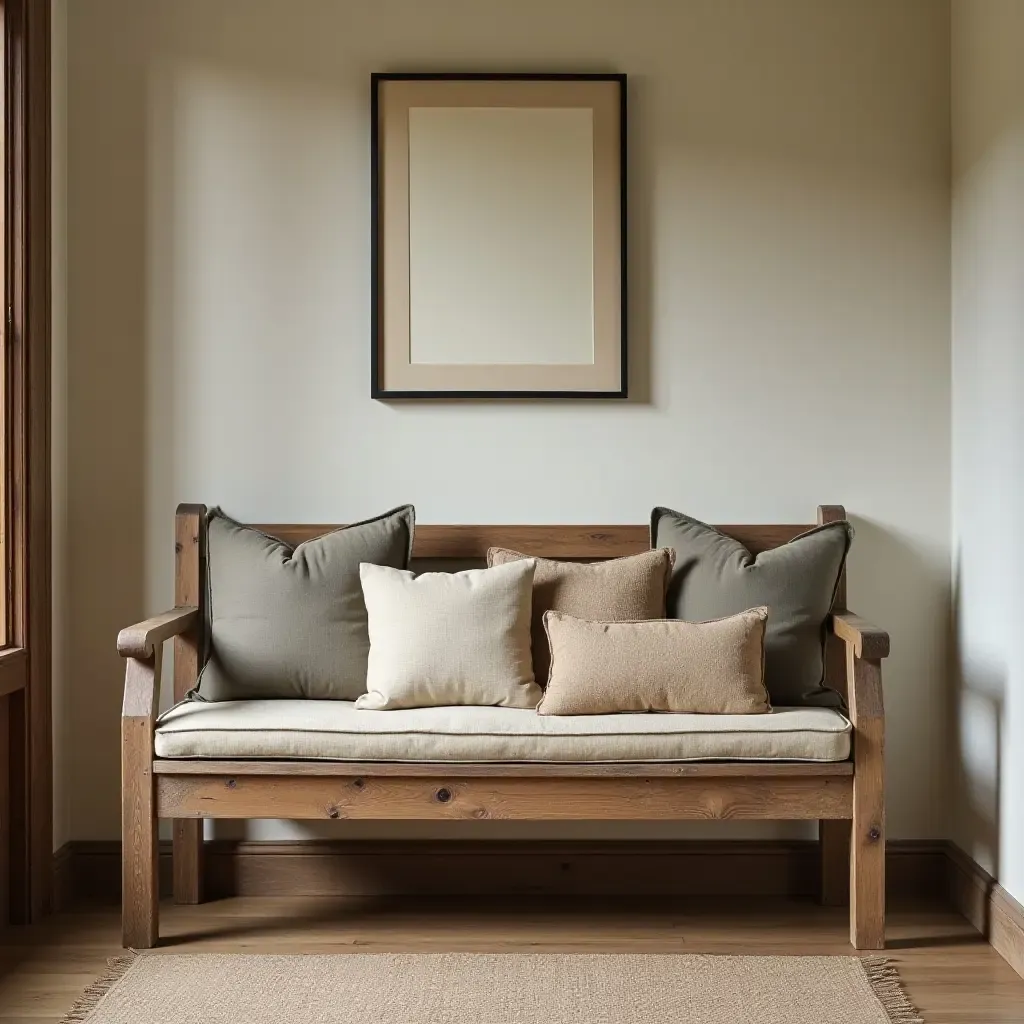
[{"x": 950, "y": 972}]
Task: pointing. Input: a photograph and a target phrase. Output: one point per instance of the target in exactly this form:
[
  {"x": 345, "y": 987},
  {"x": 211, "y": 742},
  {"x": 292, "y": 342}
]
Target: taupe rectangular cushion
[
  {"x": 658, "y": 665},
  {"x": 715, "y": 576},
  {"x": 615, "y": 590},
  {"x": 336, "y": 731},
  {"x": 291, "y": 622}
]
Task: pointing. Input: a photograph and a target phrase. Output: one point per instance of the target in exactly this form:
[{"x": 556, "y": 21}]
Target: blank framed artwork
[{"x": 498, "y": 236}]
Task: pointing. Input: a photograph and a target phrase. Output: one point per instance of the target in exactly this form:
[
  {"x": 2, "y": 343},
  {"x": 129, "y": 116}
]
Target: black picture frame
[{"x": 377, "y": 390}]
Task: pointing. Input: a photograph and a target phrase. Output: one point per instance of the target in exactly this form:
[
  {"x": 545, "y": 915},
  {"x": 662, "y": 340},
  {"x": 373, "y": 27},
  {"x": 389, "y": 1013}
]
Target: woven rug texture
[{"x": 499, "y": 988}]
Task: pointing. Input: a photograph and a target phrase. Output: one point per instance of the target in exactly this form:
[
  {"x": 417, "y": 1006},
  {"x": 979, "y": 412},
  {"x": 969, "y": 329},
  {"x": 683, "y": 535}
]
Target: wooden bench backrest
[
  {"x": 566, "y": 542},
  {"x": 459, "y": 547}
]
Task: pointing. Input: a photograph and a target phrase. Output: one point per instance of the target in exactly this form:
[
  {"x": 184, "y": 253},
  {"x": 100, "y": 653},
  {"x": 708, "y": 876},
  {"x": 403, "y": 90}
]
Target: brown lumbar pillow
[
  {"x": 616, "y": 590},
  {"x": 600, "y": 668}
]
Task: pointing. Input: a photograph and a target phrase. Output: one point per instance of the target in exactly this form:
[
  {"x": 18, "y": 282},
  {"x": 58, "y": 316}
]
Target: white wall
[
  {"x": 789, "y": 280},
  {"x": 988, "y": 432}
]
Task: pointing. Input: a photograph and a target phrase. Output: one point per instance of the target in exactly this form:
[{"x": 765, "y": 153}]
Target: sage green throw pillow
[
  {"x": 716, "y": 576},
  {"x": 291, "y": 622}
]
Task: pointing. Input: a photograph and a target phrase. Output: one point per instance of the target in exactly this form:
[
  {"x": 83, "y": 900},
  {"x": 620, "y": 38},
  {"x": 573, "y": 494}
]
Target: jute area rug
[{"x": 500, "y": 988}]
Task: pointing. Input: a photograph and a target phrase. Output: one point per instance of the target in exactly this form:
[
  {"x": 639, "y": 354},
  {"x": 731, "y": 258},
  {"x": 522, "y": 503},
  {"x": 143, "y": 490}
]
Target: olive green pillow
[
  {"x": 715, "y": 576},
  {"x": 291, "y": 622}
]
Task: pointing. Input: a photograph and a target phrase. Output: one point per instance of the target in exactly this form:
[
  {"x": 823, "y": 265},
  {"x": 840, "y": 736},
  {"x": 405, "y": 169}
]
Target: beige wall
[
  {"x": 988, "y": 433},
  {"x": 789, "y": 280}
]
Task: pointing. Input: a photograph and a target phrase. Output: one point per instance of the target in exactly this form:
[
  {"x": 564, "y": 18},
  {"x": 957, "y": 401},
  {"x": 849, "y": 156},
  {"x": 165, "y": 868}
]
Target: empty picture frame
[{"x": 499, "y": 227}]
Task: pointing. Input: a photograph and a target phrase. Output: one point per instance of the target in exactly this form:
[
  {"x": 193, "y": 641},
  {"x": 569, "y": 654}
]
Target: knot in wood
[
  {"x": 333, "y": 812},
  {"x": 231, "y": 783},
  {"x": 444, "y": 795},
  {"x": 874, "y": 835},
  {"x": 359, "y": 783}
]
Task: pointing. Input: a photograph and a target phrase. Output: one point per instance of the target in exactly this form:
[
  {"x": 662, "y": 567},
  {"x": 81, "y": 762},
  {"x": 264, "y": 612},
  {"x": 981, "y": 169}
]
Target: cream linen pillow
[
  {"x": 599, "y": 668},
  {"x": 449, "y": 638},
  {"x": 615, "y": 590}
]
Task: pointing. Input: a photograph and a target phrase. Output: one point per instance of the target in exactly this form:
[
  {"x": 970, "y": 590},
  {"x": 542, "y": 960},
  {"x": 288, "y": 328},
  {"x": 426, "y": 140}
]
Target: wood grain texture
[
  {"x": 13, "y": 670},
  {"x": 5, "y": 817},
  {"x": 867, "y": 842},
  {"x": 951, "y": 974},
  {"x": 834, "y": 862},
  {"x": 189, "y": 554},
  {"x": 139, "y": 878},
  {"x": 27, "y": 470},
  {"x": 455, "y": 797},
  {"x": 869, "y": 642},
  {"x": 835, "y": 664},
  {"x": 140, "y": 640},
  {"x": 472, "y": 541},
  {"x": 607, "y": 868},
  {"x": 37, "y": 340},
  {"x": 368, "y": 769},
  {"x": 988, "y": 906}
]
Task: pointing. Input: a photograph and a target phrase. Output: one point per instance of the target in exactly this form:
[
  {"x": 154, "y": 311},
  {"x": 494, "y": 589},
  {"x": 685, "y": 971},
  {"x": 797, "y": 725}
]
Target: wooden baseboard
[
  {"x": 988, "y": 906},
  {"x": 90, "y": 871}
]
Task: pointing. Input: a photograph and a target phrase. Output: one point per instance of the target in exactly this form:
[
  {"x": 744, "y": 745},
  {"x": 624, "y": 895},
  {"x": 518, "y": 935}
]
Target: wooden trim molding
[
  {"x": 28, "y": 299},
  {"x": 472, "y": 541},
  {"x": 90, "y": 872},
  {"x": 974, "y": 893},
  {"x": 13, "y": 670}
]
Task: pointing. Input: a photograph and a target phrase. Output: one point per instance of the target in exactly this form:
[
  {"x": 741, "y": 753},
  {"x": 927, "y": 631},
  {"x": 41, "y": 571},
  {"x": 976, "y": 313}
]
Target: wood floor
[{"x": 950, "y": 972}]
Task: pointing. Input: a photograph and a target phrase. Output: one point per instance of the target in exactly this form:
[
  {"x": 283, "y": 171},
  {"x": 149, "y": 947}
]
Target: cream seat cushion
[{"x": 335, "y": 731}]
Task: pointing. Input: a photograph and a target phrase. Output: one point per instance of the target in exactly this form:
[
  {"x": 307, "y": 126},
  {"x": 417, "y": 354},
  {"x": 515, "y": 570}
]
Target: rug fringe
[
  {"x": 885, "y": 982},
  {"x": 116, "y": 968}
]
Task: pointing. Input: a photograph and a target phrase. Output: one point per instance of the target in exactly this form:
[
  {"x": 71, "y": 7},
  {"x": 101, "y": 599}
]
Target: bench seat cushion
[{"x": 336, "y": 731}]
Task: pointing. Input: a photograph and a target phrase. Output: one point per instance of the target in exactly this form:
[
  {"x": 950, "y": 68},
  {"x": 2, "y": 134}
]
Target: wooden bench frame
[{"x": 837, "y": 795}]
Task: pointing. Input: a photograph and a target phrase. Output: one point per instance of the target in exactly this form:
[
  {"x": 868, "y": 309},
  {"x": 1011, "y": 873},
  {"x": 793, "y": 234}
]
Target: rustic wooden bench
[{"x": 836, "y": 794}]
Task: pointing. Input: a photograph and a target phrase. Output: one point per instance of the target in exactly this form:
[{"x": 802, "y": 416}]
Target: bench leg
[
  {"x": 867, "y": 843},
  {"x": 867, "y": 888},
  {"x": 187, "y": 857},
  {"x": 834, "y": 858},
  {"x": 140, "y": 887}
]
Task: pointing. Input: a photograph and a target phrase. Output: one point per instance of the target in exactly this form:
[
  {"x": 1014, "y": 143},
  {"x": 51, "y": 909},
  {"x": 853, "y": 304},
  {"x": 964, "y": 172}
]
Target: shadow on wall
[
  {"x": 977, "y": 693},
  {"x": 901, "y": 583}
]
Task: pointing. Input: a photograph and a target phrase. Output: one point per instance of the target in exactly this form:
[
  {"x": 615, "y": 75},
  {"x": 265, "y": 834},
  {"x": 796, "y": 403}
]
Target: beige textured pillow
[
  {"x": 616, "y": 590},
  {"x": 448, "y": 638},
  {"x": 599, "y": 668}
]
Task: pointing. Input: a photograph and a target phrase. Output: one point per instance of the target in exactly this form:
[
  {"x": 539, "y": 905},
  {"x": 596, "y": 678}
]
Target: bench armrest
[
  {"x": 866, "y": 646},
  {"x": 142, "y": 639},
  {"x": 869, "y": 642}
]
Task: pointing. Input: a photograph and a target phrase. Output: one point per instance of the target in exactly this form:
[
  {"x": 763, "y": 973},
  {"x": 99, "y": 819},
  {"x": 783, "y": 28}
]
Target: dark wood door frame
[{"x": 27, "y": 409}]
